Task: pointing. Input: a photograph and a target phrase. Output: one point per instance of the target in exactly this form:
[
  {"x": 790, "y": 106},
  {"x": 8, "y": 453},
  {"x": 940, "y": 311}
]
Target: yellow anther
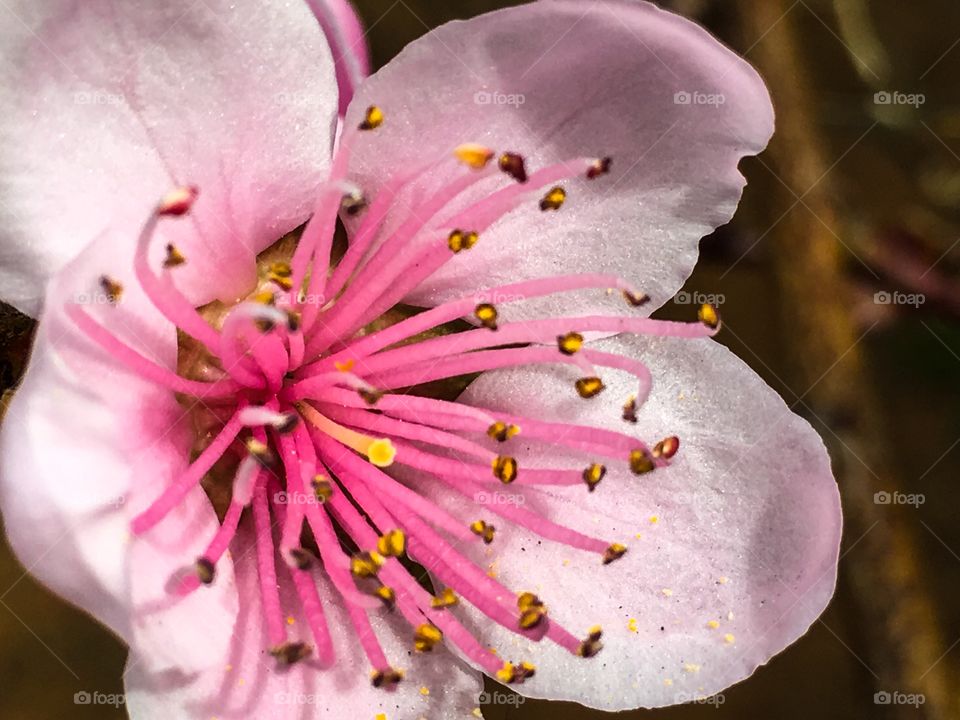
[
  {"x": 111, "y": 288},
  {"x": 345, "y": 366},
  {"x": 514, "y": 165},
  {"x": 570, "y": 343},
  {"x": 174, "y": 257},
  {"x": 641, "y": 462},
  {"x": 504, "y": 469},
  {"x": 600, "y": 166},
  {"x": 459, "y": 240},
  {"x": 589, "y": 387},
  {"x": 206, "y": 571},
  {"x": 510, "y": 673},
  {"x": 713, "y": 624},
  {"x": 593, "y": 475},
  {"x": 667, "y": 447},
  {"x": 261, "y": 452},
  {"x": 447, "y": 598},
  {"x": 322, "y": 488},
  {"x": 264, "y": 297},
  {"x": 353, "y": 203},
  {"x": 293, "y": 320},
  {"x": 303, "y": 559},
  {"x": 636, "y": 299},
  {"x": 372, "y": 119},
  {"x": 709, "y": 316},
  {"x": 614, "y": 552},
  {"x": 387, "y": 595},
  {"x": 487, "y": 315},
  {"x": 281, "y": 268},
  {"x": 366, "y": 564},
  {"x": 280, "y": 273},
  {"x": 370, "y": 396},
  {"x": 386, "y": 678},
  {"x": 592, "y": 645},
  {"x": 554, "y": 199},
  {"x": 473, "y": 155},
  {"x": 479, "y": 527},
  {"x": 527, "y": 600},
  {"x": 501, "y": 431},
  {"x": 630, "y": 409},
  {"x": 392, "y": 544},
  {"x": 531, "y": 618},
  {"x": 426, "y": 637},
  {"x": 291, "y": 652}
]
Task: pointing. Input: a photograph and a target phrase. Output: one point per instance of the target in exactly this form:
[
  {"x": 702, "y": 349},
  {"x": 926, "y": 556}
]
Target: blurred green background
[{"x": 854, "y": 197}]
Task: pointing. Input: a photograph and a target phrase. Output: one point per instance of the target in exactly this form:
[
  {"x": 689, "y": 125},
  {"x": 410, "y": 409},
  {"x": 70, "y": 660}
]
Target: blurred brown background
[{"x": 857, "y": 195}]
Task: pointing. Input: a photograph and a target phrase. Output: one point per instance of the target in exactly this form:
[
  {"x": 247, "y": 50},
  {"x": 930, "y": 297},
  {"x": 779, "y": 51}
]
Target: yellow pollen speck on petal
[
  {"x": 290, "y": 620},
  {"x": 713, "y": 624},
  {"x": 241, "y": 682},
  {"x": 632, "y": 625},
  {"x": 654, "y": 519},
  {"x": 667, "y": 592},
  {"x": 668, "y": 682},
  {"x": 424, "y": 690},
  {"x": 723, "y": 580},
  {"x": 473, "y": 155},
  {"x": 729, "y": 639},
  {"x": 639, "y": 536},
  {"x": 477, "y": 713},
  {"x": 691, "y": 668},
  {"x": 380, "y": 716},
  {"x": 345, "y": 366}
]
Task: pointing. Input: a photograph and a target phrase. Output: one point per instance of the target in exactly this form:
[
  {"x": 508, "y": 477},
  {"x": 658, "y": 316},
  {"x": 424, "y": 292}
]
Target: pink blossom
[{"x": 617, "y": 506}]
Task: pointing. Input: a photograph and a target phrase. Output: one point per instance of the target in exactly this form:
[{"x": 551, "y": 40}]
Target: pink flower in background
[{"x": 617, "y": 511}]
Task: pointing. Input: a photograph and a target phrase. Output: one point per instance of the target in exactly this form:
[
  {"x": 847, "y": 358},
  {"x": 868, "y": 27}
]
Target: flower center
[{"x": 315, "y": 403}]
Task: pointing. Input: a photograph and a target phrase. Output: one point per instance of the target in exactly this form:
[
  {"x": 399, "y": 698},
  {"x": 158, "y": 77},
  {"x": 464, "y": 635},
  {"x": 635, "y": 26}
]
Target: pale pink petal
[
  {"x": 109, "y": 104},
  {"x": 84, "y": 446},
  {"x": 348, "y": 44},
  {"x": 742, "y": 530},
  {"x": 566, "y": 79},
  {"x": 249, "y": 685}
]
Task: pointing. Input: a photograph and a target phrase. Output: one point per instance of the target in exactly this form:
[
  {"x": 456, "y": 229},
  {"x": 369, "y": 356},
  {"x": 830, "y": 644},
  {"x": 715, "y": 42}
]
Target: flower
[{"x": 617, "y": 506}]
